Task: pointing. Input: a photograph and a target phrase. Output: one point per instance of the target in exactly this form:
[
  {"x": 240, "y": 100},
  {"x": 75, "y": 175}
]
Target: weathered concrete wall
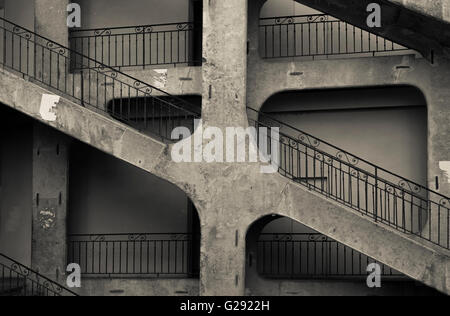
[
  {"x": 439, "y": 9},
  {"x": 112, "y": 13},
  {"x": 20, "y": 12},
  {"x": 224, "y": 221},
  {"x": 138, "y": 287},
  {"x": 432, "y": 80},
  {"x": 109, "y": 196},
  {"x": 175, "y": 81},
  {"x": 51, "y": 20},
  {"x": 50, "y": 196}
]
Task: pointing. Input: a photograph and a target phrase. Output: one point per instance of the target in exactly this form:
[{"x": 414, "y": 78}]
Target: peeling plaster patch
[
  {"x": 47, "y": 218},
  {"x": 445, "y": 166},
  {"x": 446, "y": 11},
  {"x": 48, "y": 102},
  {"x": 161, "y": 81}
]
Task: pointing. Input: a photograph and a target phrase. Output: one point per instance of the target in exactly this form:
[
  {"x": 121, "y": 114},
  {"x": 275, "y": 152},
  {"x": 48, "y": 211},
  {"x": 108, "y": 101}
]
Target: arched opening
[
  {"x": 126, "y": 223},
  {"x": 365, "y": 148},
  {"x": 289, "y": 29},
  {"x": 285, "y": 257}
]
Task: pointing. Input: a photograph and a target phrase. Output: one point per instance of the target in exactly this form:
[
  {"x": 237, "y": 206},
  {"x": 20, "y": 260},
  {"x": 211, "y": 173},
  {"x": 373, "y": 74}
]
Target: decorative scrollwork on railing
[
  {"x": 56, "y": 48},
  {"x": 52, "y": 287},
  {"x": 109, "y": 72},
  {"x": 282, "y": 237},
  {"x": 103, "y": 32},
  {"x": 179, "y": 237},
  {"x": 137, "y": 237},
  {"x": 359, "y": 175},
  {"x": 444, "y": 202},
  {"x": 347, "y": 158},
  {"x": 309, "y": 140},
  {"x": 324, "y": 158},
  {"x": 144, "y": 29},
  {"x": 142, "y": 87},
  {"x": 20, "y": 269},
  {"x": 97, "y": 238},
  {"x": 317, "y": 237},
  {"x": 317, "y": 18},
  {"x": 185, "y": 26},
  {"x": 407, "y": 186},
  {"x": 393, "y": 191},
  {"x": 287, "y": 20},
  {"x": 21, "y": 32}
]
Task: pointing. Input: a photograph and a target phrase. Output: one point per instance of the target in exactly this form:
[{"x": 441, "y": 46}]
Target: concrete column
[
  {"x": 224, "y": 70},
  {"x": 225, "y": 62},
  {"x": 50, "y": 189},
  {"x": 50, "y": 19},
  {"x": 254, "y": 11},
  {"x": 222, "y": 266},
  {"x": 51, "y": 63}
]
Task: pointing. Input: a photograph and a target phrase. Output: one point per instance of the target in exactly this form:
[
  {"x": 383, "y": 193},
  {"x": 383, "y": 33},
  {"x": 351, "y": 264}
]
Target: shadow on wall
[{"x": 16, "y": 146}]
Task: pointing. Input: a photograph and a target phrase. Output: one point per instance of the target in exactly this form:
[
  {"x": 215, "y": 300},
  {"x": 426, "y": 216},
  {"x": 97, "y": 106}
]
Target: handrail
[
  {"x": 374, "y": 191},
  {"x": 150, "y": 254},
  {"x": 100, "y": 86},
  {"x": 303, "y": 133},
  {"x": 139, "y": 26},
  {"x": 141, "y": 45},
  {"x": 312, "y": 255},
  {"x": 319, "y": 35},
  {"x": 40, "y": 285}
]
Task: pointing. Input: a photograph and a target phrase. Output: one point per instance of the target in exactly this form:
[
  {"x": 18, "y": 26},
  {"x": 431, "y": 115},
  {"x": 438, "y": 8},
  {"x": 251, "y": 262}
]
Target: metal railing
[
  {"x": 318, "y": 35},
  {"x": 285, "y": 255},
  {"x": 354, "y": 182},
  {"x": 152, "y": 255},
  {"x": 141, "y": 45},
  {"x": 98, "y": 87},
  {"x": 19, "y": 280}
]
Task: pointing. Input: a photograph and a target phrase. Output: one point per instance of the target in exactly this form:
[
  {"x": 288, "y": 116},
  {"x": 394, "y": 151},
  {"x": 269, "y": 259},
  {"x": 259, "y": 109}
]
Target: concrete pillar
[
  {"x": 225, "y": 62},
  {"x": 51, "y": 63},
  {"x": 50, "y": 19},
  {"x": 254, "y": 11},
  {"x": 50, "y": 189},
  {"x": 224, "y": 70},
  {"x": 222, "y": 266}
]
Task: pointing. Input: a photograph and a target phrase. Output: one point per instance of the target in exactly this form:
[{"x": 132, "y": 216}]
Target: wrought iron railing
[
  {"x": 142, "y": 45},
  {"x": 98, "y": 86},
  {"x": 318, "y": 35},
  {"x": 19, "y": 280},
  {"x": 153, "y": 255},
  {"x": 285, "y": 255},
  {"x": 373, "y": 191}
]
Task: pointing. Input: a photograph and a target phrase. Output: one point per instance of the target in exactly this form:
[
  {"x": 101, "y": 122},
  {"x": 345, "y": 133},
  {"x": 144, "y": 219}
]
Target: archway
[
  {"x": 285, "y": 257},
  {"x": 364, "y": 147},
  {"x": 126, "y": 224}
]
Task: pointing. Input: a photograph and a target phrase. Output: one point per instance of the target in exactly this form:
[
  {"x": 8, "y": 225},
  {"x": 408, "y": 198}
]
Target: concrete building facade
[{"x": 87, "y": 174}]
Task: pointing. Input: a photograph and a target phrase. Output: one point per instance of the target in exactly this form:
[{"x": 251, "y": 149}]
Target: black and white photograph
[{"x": 224, "y": 155}]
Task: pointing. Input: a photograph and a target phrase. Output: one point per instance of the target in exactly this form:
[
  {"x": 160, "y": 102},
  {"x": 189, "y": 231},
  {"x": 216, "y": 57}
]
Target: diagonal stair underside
[
  {"x": 344, "y": 180},
  {"x": 415, "y": 29}
]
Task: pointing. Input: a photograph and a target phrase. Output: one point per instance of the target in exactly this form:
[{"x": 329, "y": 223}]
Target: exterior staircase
[
  {"x": 19, "y": 280},
  {"x": 412, "y": 25},
  {"x": 418, "y": 216}
]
